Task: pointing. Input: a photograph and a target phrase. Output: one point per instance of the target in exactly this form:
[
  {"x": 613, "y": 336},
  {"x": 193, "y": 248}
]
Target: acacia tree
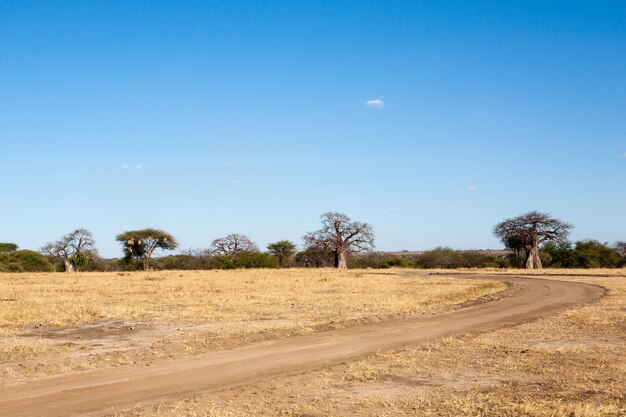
[
  {"x": 339, "y": 235},
  {"x": 7, "y": 248},
  {"x": 621, "y": 247},
  {"x": 528, "y": 231},
  {"x": 141, "y": 244},
  {"x": 232, "y": 244},
  {"x": 72, "y": 249},
  {"x": 283, "y": 249}
]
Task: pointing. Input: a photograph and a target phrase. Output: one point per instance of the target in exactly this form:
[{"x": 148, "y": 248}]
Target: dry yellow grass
[
  {"x": 572, "y": 364},
  {"x": 80, "y": 321}
]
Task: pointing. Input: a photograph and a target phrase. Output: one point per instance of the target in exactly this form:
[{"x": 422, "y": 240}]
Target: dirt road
[{"x": 100, "y": 392}]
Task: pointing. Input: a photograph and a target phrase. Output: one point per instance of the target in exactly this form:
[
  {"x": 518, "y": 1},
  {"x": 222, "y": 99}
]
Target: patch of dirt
[{"x": 101, "y": 330}]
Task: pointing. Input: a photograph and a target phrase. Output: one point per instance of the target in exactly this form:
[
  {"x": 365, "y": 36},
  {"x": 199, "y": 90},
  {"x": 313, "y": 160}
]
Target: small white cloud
[
  {"x": 235, "y": 181},
  {"x": 623, "y": 156},
  {"x": 130, "y": 168},
  {"x": 393, "y": 209},
  {"x": 226, "y": 190},
  {"x": 376, "y": 102},
  {"x": 469, "y": 189}
]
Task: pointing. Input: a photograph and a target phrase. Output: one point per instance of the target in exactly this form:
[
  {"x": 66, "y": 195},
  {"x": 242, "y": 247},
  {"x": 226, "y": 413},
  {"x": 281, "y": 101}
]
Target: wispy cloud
[
  {"x": 623, "y": 156},
  {"x": 393, "y": 209},
  {"x": 469, "y": 189},
  {"x": 376, "y": 103},
  {"x": 235, "y": 181},
  {"x": 130, "y": 168}
]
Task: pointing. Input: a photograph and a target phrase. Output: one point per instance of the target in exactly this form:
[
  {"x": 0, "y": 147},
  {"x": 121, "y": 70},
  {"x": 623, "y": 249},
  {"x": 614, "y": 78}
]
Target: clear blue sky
[{"x": 432, "y": 120}]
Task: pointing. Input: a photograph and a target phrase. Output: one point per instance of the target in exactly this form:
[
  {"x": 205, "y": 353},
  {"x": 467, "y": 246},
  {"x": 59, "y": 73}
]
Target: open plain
[{"x": 361, "y": 343}]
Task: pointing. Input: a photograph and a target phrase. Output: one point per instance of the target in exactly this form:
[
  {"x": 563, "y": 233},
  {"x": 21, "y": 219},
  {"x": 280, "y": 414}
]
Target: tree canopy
[
  {"x": 7, "y": 247},
  {"x": 340, "y": 236},
  {"x": 283, "y": 250},
  {"x": 528, "y": 231},
  {"x": 232, "y": 245},
  {"x": 141, "y": 244},
  {"x": 72, "y": 249}
]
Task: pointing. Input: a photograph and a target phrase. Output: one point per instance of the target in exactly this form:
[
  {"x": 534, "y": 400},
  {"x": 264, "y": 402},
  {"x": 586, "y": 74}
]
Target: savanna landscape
[
  {"x": 312, "y": 209},
  {"x": 568, "y": 363}
]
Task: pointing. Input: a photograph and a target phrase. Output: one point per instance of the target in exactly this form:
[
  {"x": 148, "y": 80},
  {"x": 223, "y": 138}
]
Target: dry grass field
[
  {"x": 572, "y": 364},
  {"x": 57, "y": 323}
]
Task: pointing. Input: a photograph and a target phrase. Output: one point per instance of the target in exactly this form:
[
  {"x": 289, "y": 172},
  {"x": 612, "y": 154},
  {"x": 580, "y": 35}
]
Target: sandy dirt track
[{"x": 100, "y": 392}]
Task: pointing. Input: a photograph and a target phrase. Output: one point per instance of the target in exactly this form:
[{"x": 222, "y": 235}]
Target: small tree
[
  {"x": 141, "y": 244},
  {"x": 72, "y": 249},
  {"x": 620, "y": 246},
  {"x": 529, "y": 231},
  {"x": 340, "y": 236},
  {"x": 7, "y": 248},
  {"x": 232, "y": 244},
  {"x": 283, "y": 250}
]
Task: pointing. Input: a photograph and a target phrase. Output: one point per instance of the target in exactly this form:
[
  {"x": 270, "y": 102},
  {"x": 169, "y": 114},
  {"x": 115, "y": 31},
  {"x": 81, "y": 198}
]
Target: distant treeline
[{"x": 582, "y": 254}]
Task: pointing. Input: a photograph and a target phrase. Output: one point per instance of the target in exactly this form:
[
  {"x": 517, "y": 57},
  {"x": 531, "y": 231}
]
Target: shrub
[
  {"x": 593, "y": 254},
  {"x": 26, "y": 261},
  {"x": 447, "y": 258}
]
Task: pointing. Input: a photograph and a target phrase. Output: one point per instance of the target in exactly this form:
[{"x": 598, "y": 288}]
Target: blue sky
[{"x": 431, "y": 120}]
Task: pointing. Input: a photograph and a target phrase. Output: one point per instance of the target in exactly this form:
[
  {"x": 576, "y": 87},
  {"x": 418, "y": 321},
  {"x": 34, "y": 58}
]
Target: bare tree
[
  {"x": 620, "y": 246},
  {"x": 528, "y": 231},
  {"x": 232, "y": 245},
  {"x": 141, "y": 244},
  {"x": 72, "y": 249},
  {"x": 340, "y": 236}
]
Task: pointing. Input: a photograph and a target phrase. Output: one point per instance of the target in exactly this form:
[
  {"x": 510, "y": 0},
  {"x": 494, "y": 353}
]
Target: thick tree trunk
[
  {"x": 342, "y": 262},
  {"x": 69, "y": 266},
  {"x": 533, "y": 261}
]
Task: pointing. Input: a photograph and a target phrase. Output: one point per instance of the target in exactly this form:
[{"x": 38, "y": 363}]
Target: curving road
[{"x": 99, "y": 392}]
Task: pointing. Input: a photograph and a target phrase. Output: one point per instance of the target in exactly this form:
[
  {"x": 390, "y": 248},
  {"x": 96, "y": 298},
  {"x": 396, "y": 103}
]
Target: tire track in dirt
[{"x": 99, "y": 392}]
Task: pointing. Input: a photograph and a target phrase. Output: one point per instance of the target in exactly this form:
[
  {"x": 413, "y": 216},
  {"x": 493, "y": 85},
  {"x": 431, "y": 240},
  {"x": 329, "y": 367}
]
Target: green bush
[
  {"x": 557, "y": 255},
  {"x": 447, "y": 258},
  {"x": 593, "y": 254},
  {"x": 314, "y": 257},
  {"x": 26, "y": 261},
  {"x": 378, "y": 260}
]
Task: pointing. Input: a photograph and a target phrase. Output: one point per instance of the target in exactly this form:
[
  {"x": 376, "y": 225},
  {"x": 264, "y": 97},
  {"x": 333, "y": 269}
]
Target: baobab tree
[
  {"x": 141, "y": 244},
  {"x": 530, "y": 230},
  {"x": 72, "y": 249},
  {"x": 232, "y": 244},
  {"x": 339, "y": 235}
]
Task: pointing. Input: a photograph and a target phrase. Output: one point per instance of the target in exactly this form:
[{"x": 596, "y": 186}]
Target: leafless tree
[
  {"x": 528, "y": 231},
  {"x": 232, "y": 245},
  {"x": 71, "y": 249},
  {"x": 340, "y": 236},
  {"x": 621, "y": 247}
]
